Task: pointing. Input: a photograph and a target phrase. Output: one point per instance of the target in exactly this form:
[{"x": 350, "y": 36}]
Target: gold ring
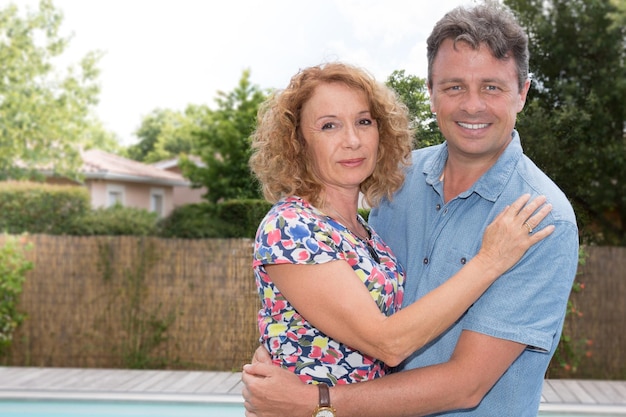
[{"x": 530, "y": 229}]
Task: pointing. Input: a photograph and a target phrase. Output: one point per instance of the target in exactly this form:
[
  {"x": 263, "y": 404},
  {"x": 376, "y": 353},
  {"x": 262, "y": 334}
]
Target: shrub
[
  {"x": 115, "y": 221},
  {"x": 13, "y": 268},
  {"x": 40, "y": 208},
  {"x": 192, "y": 221},
  {"x": 570, "y": 352},
  {"x": 241, "y": 218},
  {"x": 230, "y": 219}
]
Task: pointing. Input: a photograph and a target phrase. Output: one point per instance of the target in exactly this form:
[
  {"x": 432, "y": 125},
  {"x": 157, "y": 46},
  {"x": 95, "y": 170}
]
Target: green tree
[
  {"x": 13, "y": 268},
  {"x": 574, "y": 120},
  {"x": 619, "y": 15},
  {"x": 44, "y": 116},
  {"x": 96, "y": 136},
  {"x": 223, "y": 141},
  {"x": 165, "y": 134},
  {"x": 413, "y": 92}
]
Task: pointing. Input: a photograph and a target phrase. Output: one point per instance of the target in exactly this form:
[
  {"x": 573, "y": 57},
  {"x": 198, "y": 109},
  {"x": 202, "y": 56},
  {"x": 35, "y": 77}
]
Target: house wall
[
  {"x": 97, "y": 192},
  {"x": 135, "y": 194},
  {"x": 186, "y": 195}
]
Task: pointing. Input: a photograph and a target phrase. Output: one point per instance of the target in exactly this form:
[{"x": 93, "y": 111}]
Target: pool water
[
  {"x": 119, "y": 408},
  {"x": 84, "y": 408}
]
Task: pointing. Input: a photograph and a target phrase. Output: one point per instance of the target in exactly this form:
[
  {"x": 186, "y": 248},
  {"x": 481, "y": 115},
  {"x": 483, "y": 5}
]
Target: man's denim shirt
[{"x": 433, "y": 240}]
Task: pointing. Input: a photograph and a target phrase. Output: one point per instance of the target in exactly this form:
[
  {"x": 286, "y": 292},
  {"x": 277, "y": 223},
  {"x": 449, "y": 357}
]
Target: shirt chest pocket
[{"x": 445, "y": 263}]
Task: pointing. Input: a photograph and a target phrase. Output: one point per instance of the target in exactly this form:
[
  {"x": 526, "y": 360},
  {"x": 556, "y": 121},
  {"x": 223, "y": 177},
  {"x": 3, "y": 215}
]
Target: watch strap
[{"x": 324, "y": 395}]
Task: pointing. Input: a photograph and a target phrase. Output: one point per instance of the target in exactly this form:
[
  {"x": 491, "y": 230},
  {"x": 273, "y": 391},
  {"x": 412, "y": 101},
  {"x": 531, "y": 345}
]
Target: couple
[{"x": 448, "y": 218}]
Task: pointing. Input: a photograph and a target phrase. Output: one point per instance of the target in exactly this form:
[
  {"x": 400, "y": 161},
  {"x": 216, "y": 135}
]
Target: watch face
[{"x": 324, "y": 413}]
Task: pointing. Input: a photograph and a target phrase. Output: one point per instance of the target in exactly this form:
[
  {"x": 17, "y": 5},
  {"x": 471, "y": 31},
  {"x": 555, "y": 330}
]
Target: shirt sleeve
[
  {"x": 291, "y": 236},
  {"x": 527, "y": 304}
]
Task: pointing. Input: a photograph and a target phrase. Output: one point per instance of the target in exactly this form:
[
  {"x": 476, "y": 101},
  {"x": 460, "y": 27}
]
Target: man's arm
[{"x": 477, "y": 363}]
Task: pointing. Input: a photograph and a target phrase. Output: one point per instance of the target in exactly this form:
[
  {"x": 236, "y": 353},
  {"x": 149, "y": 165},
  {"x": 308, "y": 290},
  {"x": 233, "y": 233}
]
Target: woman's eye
[
  {"x": 328, "y": 125},
  {"x": 365, "y": 122}
]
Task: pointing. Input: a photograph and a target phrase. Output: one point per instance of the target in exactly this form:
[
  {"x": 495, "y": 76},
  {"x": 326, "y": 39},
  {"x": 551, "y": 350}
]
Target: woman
[{"x": 332, "y": 135}]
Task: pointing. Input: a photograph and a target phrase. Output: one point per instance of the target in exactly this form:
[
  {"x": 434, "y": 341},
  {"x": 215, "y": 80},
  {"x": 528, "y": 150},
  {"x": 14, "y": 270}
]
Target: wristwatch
[{"x": 324, "y": 409}]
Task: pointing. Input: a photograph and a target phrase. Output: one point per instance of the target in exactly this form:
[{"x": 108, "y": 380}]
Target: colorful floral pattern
[{"x": 295, "y": 232}]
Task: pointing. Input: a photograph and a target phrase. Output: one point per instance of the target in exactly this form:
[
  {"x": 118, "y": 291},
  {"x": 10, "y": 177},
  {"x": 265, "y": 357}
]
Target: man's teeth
[{"x": 473, "y": 125}]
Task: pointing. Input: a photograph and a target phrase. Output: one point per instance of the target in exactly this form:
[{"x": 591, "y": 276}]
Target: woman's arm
[{"x": 344, "y": 309}]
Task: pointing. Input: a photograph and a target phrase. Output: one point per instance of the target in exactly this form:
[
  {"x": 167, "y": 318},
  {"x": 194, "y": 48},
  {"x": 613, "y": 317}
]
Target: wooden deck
[{"x": 200, "y": 386}]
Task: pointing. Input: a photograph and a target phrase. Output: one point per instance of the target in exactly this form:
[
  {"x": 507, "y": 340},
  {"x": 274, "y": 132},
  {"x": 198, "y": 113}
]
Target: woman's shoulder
[
  {"x": 292, "y": 207},
  {"x": 292, "y": 211}
]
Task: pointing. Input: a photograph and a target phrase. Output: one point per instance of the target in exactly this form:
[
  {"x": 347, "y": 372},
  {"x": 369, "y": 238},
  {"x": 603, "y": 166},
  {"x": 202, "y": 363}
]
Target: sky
[{"x": 167, "y": 54}]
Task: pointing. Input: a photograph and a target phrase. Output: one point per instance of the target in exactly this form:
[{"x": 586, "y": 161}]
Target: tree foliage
[
  {"x": 223, "y": 144},
  {"x": 166, "y": 134},
  {"x": 574, "y": 122},
  {"x": 44, "y": 116},
  {"x": 413, "y": 92},
  {"x": 13, "y": 268},
  {"x": 619, "y": 15}
]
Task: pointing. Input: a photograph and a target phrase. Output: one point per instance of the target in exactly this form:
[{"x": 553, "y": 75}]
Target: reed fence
[
  {"x": 119, "y": 302},
  {"x": 116, "y": 302},
  {"x": 602, "y": 306}
]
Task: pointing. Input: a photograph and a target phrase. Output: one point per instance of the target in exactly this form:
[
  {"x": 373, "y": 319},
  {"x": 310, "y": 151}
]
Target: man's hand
[{"x": 270, "y": 391}]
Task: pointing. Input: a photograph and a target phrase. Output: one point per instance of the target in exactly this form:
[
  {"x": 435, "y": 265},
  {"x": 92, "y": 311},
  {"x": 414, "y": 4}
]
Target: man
[{"x": 493, "y": 360}]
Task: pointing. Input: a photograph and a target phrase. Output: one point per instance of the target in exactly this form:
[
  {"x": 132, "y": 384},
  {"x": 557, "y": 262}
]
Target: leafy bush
[
  {"x": 230, "y": 219},
  {"x": 115, "y": 221},
  {"x": 58, "y": 210},
  {"x": 241, "y": 218},
  {"x": 365, "y": 213},
  {"x": 192, "y": 221},
  {"x": 13, "y": 268},
  {"x": 40, "y": 208},
  {"x": 571, "y": 352}
]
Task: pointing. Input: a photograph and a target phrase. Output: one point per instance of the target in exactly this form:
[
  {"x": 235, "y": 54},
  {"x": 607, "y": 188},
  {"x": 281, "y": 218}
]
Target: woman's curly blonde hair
[{"x": 280, "y": 158}]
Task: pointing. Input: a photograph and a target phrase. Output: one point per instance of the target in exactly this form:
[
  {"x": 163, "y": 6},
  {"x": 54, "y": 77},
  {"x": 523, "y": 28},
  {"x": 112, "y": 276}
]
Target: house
[
  {"x": 112, "y": 179},
  {"x": 183, "y": 194}
]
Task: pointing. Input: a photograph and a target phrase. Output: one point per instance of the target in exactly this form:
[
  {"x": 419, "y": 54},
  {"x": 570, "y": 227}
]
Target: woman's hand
[
  {"x": 513, "y": 232},
  {"x": 271, "y": 391}
]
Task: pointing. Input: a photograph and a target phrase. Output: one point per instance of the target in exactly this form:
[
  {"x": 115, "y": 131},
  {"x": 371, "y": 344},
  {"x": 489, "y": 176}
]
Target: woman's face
[{"x": 341, "y": 136}]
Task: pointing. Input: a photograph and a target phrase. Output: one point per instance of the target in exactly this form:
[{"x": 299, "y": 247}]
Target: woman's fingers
[
  {"x": 513, "y": 231},
  {"x": 528, "y": 213},
  {"x": 533, "y": 221}
]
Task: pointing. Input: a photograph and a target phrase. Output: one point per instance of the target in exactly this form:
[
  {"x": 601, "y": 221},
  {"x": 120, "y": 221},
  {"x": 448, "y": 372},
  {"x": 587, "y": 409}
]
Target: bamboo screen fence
[
  {"x": 602, "y": 304},
  {"x": 176, "y": 303},
  {"x": 138, "y": 302}
]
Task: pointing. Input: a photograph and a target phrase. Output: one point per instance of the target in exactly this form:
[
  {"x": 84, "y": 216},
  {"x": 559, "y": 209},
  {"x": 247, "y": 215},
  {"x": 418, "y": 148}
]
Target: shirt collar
[{"x": 491, "y": 184}]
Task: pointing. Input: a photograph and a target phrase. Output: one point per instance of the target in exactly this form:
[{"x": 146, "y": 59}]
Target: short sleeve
[
  {"x": 526, "y": 304},
  {"x": 289, "y": 234}
]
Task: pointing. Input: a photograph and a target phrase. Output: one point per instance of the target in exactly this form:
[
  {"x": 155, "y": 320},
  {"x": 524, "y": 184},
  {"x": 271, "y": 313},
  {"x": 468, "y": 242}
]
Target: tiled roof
[
  {"x": 98, "y": 164},
  {"x": 171, "y": 163}
]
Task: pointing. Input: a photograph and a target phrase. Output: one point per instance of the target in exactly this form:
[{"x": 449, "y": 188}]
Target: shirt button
[
  {"x": 463, "y": 261},
  {"x": 438, "y": 207},
  {"x": 425, "y": 261},
  {"x": 445, "y": 211}
]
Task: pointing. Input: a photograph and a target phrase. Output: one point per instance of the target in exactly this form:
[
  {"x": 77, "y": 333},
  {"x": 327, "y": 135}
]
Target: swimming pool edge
[
  {"x": 120, "y": 396},
  {"x": 584, "y": 408}
]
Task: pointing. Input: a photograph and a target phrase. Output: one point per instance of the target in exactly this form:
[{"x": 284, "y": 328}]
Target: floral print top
[{"x": 295, "y": 232}]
